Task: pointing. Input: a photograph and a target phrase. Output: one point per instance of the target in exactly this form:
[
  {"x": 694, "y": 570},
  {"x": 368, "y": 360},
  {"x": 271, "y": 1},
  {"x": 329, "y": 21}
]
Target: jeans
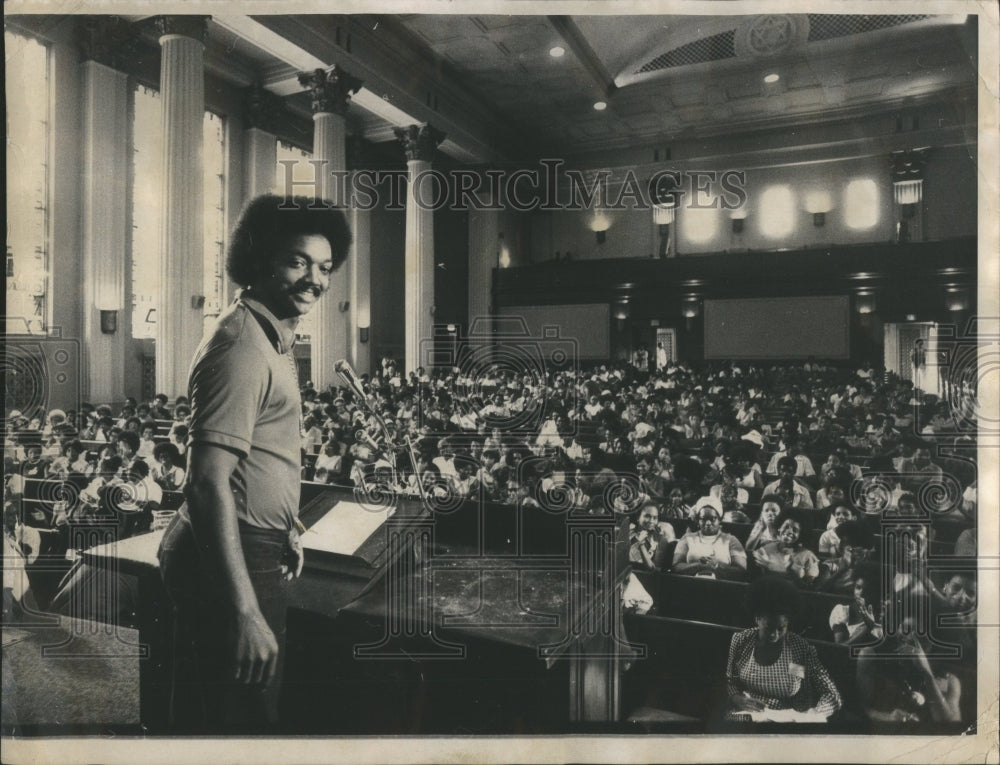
[{"x": 205, "y": 698}]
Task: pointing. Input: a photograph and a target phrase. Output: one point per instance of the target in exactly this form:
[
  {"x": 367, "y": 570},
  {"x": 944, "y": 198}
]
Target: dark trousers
[{"x": 205, "y": 698}]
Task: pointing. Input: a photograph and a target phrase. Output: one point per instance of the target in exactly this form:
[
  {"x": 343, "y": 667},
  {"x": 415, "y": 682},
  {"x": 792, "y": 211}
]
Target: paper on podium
[
  {"x": 787, "y": 716},
  {"x": 344, "y": 528}
]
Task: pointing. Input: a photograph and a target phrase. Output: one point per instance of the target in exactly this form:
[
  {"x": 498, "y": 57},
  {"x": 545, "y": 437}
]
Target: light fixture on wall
[
  {"x": 819, "y": 203},
  {"x": 957, "y": 299},
  {"x": 908, "y": 190},
  {"x": 739, "y": 217},
  {"x": 109, "y": 322},
  {"x": 363, "y": 334},
  {"x": 663, "y": 215},
  {"x": 864, "y": 303},
  {"x": 600, "y": 224},
  {"x": 621, "y": 313},
  {"x": 690, "y": 309},
  {"x": 503, "y": 254},
  {"x": 108, "y": 301}
]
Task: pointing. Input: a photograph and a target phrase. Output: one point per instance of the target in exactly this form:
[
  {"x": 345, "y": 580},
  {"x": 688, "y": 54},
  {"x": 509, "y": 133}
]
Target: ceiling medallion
[{"x": 771, "y": 35}]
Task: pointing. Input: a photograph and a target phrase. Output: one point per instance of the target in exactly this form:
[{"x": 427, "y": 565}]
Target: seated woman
[
  {"x": 837, "y": 574},
  {"x": 770, "y": 668},
  {"x": 166, "y": 470},
  {"x": 856, "y": 622},
  {"x": 709, "y": 551},
  {"x": 829, "y": 542},
  {"x": 647, "y": 536},
  {"x": 765, "y": 529},
  {"x": 836, "y": 486},
  {"x": 898, "y": 683},
  {"x": 733, "y": 496},
  {"x": 676, "y": 508},
  {"x": 786, "y": 555}
]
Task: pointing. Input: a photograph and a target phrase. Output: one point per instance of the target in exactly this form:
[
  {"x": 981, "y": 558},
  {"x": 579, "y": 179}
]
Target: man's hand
[
  {"x": 255, "y": 650},
  {"x": 294, "y": 556}
]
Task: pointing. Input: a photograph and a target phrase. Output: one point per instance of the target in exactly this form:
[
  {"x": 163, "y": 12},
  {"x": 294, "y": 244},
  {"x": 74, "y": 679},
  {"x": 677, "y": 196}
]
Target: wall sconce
[
  {"x": 344, "y": 305},
  {"x": 363, "y": 334},
  {"x": 601, "y": 236},
  {"x": 818, "y": 202},
  {"x": 197, "y": 302},
  {"x": 663, "y": 216},
  {"x": 957, "y": 299},
  {"x": 739, "y": 217},
  {"x": 907, "y": 168},
  {"x": 690, "y": 309},
  {"x": 864, "y": 303},
  {"x": 109, "y": 322}
]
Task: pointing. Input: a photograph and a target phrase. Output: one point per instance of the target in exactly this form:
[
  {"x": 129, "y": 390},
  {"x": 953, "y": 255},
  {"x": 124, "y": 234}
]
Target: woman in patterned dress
[{"x": 770, "y": 668}]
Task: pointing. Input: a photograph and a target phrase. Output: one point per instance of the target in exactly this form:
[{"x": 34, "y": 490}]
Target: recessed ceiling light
[
  {"x": 557, "y": 51},
  {"x": 600, "y": 105},
  {"x": 771, "y": 78}
]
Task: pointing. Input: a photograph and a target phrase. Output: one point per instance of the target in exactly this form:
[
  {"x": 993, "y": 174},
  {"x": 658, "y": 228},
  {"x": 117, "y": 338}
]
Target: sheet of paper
[
  {"x": 787, "y": 716},
  {"x": 344, "y": 528}
]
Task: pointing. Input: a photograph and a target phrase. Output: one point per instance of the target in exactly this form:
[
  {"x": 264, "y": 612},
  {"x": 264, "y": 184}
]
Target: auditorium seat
[{"x": 718, "y": 601}]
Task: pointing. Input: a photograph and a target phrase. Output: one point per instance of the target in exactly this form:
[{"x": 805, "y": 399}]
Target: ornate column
[
  {"x": 360, "y": 264},
  {"x": 331, "y": 92},
  {"x": 262, "y": 110},
  {"x": 419, "y": 142},
  {"x": 907, "y": 187},
  {"x": 179, "y": 321},
  {"x": 106, "y": 43}
]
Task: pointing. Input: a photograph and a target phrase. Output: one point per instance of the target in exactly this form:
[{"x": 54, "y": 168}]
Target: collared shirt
[{"x": 245, "y": 397}]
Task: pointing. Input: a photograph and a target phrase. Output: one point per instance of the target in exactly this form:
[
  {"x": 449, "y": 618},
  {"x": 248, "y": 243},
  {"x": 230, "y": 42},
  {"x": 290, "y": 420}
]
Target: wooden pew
[{"x": 717, "y": 601}]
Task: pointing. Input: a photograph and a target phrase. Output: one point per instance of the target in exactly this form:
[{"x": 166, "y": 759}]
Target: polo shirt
[{"x": 244, "y": 396}]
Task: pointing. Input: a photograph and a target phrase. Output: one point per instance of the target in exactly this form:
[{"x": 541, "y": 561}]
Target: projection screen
[
  {"x": 588, "y": 324},
  {"x": 778, "y": 328}
]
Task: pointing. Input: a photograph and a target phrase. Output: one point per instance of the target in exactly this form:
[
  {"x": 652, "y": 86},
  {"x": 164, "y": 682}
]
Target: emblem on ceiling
[{"x": 771, "y": 35}]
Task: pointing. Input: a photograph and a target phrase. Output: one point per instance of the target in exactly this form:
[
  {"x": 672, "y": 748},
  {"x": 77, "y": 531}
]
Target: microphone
[{"x": 346, "y": 371}]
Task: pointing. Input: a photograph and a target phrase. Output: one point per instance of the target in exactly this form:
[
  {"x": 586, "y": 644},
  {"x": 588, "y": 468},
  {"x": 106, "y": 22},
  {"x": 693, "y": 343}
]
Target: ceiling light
[
  {"x": 771, "y": 78},
  {"x": 557, "y": 51},
  {"x": 600, "y": 105}
]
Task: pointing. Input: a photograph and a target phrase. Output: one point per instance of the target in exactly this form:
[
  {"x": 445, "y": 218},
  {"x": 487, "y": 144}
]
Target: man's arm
[{"x": 213, "y": 520}]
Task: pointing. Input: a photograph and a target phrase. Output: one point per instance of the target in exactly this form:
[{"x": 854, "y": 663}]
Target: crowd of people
[{"x": 799, "y": 472}]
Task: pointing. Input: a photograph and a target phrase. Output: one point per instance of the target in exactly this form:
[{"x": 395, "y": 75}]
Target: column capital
[
  {"x": 195, "y": 27},
  {"x": 419, "y": 141},
  {"x": 331, "y": 89},
  {"x": 261, "y": 108},
  {"x": 108, "y": 40},
  {"x": 908, "y": 164}
]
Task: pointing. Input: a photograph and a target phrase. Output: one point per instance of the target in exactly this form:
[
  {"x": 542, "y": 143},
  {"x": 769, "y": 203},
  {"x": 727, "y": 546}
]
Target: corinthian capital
[
  {"x": 195, "y": 27},
  {"x": 419, "y": 141},
  {"x": 330, "y": 89},
  {"x": 108, "y": 40}
]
